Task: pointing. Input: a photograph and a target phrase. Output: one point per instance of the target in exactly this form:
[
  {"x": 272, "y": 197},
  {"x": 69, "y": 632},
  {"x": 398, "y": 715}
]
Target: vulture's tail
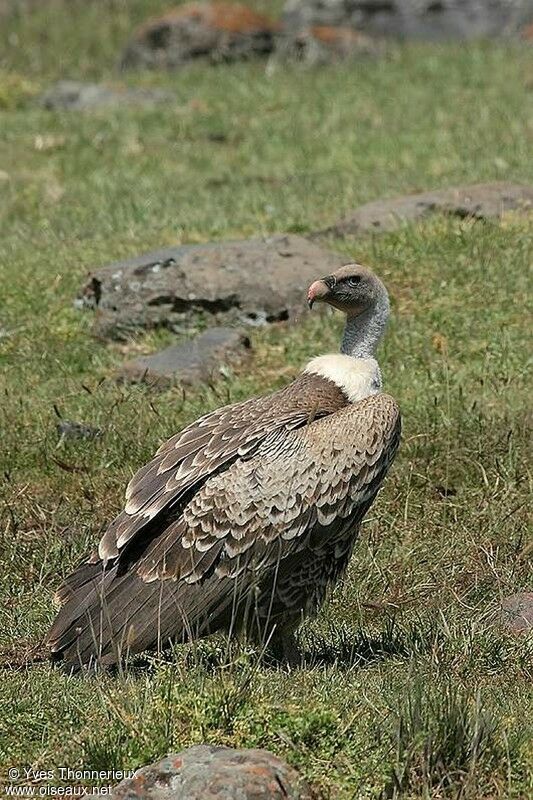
[{"x": 108, "y": 614}]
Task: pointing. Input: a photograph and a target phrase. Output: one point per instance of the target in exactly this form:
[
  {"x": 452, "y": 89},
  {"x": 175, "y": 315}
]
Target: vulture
[{"x": 242, "y": 521}]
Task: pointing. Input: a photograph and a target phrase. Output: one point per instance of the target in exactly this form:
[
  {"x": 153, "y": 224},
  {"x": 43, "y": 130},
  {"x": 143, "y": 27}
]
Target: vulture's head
[{"x": 352, "y": 289}]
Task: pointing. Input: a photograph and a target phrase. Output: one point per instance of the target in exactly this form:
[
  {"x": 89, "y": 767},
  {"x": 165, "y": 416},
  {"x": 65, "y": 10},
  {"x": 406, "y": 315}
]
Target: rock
[
  {"x": 205, "y": 772},
  {"x": 76, "y": 96},
  {"x": 517, "y": 612},
  {"x": 413, "y": 19},
  {"x": 253, "y": 281},
  {"x": 192, "y": 362},
  {"x": 323, "y": 44},
  {"x": 68, "y": 429},
  {"x": 216, "y": 31},
  {"x": 480, "y": 201}
]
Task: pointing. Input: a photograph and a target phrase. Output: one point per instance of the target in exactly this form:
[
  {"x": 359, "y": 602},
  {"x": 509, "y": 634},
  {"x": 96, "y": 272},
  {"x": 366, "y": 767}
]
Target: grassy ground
[{"x": 410, "y": 687}]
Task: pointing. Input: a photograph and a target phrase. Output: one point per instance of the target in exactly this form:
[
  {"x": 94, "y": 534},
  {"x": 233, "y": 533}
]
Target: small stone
[
  {"x": 517, "y": 612},
  {"x": 77, "y": 96},
  {"x": 479, "y": 201},
  {"x": 68, "y": 429},
  {"x": 198, "y": 360},
  {"x": 213, "y": 31},
  {"x": 217, "y": 773}
]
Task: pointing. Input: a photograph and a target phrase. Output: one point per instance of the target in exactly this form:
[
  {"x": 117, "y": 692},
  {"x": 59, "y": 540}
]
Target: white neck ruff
[{"x": 357, "y": 377}]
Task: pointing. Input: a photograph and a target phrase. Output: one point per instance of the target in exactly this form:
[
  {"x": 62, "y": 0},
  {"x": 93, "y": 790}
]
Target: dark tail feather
[
  {"x": 78, "y": 594},
  {"x": 86, "y": 572},
  {"x": 108, "y": 615}
]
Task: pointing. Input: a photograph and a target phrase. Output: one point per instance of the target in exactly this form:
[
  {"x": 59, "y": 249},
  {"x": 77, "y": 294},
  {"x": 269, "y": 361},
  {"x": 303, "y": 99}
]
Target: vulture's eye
[{"x": 354, "y": 280}]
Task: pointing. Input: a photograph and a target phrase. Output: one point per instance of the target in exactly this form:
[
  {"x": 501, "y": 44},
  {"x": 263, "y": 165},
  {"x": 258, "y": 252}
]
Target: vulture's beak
[{"x": 317, "y": 292}]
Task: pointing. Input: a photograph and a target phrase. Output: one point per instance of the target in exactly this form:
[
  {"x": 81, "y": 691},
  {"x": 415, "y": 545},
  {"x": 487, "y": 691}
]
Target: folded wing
[
  {"x": 208, "y": 446},
  {"x": 297, "y": 483}
]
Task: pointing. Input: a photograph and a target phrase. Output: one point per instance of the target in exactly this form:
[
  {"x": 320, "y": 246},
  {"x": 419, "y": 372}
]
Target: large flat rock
[
  {"x": 480, "y": 201},
  {"x": 413, "y": 19},
  {"x": 206, "y": 772},
  {"x": 252, "y": 281},
  {"x": 191, "y": 362}
]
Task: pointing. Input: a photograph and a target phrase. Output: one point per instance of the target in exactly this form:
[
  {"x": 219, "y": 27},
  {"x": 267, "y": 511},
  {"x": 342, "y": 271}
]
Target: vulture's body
[{"x": 240, "y": 522}]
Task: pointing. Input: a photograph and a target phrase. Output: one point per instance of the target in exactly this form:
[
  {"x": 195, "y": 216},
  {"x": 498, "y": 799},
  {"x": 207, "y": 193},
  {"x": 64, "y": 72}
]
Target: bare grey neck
[{"x": 363, "y": 332}]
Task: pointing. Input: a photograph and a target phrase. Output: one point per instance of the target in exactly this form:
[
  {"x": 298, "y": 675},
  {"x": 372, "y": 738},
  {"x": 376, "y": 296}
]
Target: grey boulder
[
  {"x": 413, "y": 19},
  {"x": 205, "y": 772},
  {"x": 480, "y": 201},
  {"x": 253, "y": 281}
]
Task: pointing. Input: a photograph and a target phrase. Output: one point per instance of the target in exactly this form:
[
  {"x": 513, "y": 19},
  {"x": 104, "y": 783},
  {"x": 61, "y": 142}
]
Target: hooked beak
[{"x": 317, "y": 292}]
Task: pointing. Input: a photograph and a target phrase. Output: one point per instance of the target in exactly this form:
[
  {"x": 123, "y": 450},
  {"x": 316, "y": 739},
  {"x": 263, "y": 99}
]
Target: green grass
[{"x": 410, "y": 688}]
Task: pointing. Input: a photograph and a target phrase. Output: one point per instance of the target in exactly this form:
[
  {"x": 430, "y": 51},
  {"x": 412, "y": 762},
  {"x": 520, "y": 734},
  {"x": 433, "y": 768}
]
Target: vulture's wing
[
  {"x": 297, "y": 490},
  {"x": 208, "y": 446}
]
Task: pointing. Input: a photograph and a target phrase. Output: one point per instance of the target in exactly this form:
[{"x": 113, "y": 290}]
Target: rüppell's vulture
[{"x": 242, "y": 521}]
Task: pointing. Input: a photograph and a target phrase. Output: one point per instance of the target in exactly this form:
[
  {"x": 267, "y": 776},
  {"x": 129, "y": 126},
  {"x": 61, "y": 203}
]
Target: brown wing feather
[
  {"x": 296, "y": 483},
  {"x": 209, "y": 445}
]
